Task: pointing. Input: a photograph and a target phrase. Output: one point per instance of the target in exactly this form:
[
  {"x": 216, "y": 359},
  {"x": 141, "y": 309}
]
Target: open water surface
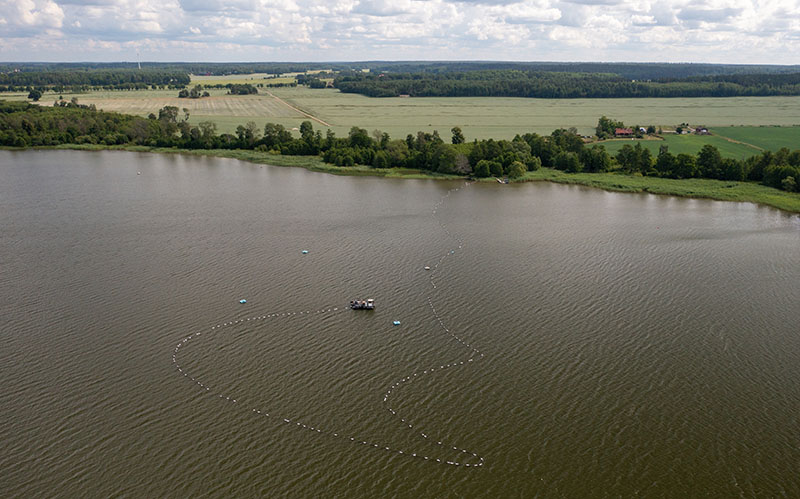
[{"x": 568, "y": 342}]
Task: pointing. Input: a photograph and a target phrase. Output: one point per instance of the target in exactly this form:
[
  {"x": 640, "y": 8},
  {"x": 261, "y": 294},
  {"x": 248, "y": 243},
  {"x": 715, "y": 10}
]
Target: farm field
[
  {"x": 740, "y": 118},
  {"x": 765, "y": 137},
  {"x": 688, "y": 144},
  {"x": 501, "y": 117},
  {"x": 227, "y": 111},
  {"x": 252, "y": 79}
]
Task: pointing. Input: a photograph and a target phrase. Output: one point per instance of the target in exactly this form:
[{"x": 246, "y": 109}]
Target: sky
[{"x": 717, "y": 31}]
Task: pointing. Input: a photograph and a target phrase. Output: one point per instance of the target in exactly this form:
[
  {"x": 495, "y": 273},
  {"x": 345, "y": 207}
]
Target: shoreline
[{"x": 718, "y": 190}]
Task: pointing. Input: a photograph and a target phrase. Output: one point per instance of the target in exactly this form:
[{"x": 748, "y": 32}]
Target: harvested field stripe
[
  {"x": 734, "y": 141},
  {"x": 298, "y": 110}
]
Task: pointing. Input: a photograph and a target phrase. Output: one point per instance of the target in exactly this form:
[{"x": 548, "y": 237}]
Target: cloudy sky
[{"x": 726, "y": 31}]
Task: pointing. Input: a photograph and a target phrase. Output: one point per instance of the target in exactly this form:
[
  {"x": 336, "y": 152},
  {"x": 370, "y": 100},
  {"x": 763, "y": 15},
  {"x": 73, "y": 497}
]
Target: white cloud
[
  {"x": 497, "y": 29},
  {"x": 698, "y": 30},
  {"x": 26, "y": 15}
]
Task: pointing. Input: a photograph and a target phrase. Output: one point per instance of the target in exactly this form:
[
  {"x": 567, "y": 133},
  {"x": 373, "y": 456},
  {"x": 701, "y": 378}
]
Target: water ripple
[{"x": 463, "y": 457}]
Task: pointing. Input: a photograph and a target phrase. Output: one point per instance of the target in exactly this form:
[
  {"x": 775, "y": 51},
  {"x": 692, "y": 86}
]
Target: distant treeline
[
  {"x": 553, "y": 85},
  {"x": 179, "y": 67},
  {"x": 85, "y": 88},
  {"x": 25, "y": 125},
  {"x": 630, "y": 71},
  {"x": 627, "y": 70},
  {"x": 110, "y": 78}
]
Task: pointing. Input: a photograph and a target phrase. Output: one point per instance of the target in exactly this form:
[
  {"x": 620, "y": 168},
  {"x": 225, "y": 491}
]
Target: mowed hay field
[
  {"x": 227, "y": 111},
  {"x": 478, "y": 117},
  {"x": 253, "y": 79},
  {"x": 501, "y": 117}
]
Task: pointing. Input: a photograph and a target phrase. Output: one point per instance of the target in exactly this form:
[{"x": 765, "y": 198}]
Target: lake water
[{"x": 577, "y": 343}]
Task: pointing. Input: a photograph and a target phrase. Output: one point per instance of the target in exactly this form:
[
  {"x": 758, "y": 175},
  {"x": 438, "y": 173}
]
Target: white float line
[
  {"x": 299, "y": 424},
  {"x": 386, "y": 395},
  {"x": 447, "y": 330}
]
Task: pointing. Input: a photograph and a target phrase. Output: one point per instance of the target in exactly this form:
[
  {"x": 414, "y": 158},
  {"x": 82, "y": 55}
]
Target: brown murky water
[{"x": 577, "y": 343}]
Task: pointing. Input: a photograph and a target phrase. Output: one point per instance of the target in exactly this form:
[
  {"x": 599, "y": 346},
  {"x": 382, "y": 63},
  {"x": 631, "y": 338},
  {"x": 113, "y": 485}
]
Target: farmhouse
[{"x": 623, "y": 132}]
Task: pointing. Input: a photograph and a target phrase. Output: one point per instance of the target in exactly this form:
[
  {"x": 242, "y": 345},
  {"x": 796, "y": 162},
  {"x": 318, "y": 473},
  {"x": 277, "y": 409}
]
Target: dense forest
[
  {"x": 556, "y": 85},
  {"x": 627, "y": 70},
  {"x": 107, "y": 78},
  {"x": 210, "y": 68},
  {"x": 434, "y": 79},
  {"x": 25, "y": 125}
]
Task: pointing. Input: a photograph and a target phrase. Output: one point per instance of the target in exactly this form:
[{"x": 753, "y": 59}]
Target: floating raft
[{"x": 362, "y": 304}]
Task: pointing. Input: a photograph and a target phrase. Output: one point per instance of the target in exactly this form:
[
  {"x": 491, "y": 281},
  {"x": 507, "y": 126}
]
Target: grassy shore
[
  {"x": 721, "y": 190},
  {"x": 695, "y": 188}
]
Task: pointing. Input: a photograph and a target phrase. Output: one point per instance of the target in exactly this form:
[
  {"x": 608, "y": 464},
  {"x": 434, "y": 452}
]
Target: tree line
[
  {"x": 109, "y": 78},
  {"x": 627, "y": 70},
  {"x": 198, "y": 91},
  {"x": 559, "y": 85},
  {"x": 25, "y": 125}
]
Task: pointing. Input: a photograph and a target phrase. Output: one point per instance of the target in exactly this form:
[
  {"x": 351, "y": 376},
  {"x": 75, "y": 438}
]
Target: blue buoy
[
  {"x": 396, "y": 323},
  {"x": 305, "y": 252},
  {"x": 242, "y": 301}
]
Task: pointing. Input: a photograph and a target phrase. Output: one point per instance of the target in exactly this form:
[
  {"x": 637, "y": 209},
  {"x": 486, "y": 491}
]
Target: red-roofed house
[{"x": 623, "y": 132}]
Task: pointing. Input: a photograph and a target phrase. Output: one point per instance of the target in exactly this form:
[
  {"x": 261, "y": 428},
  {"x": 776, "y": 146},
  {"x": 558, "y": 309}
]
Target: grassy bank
[{"x": 696, "y": 188}]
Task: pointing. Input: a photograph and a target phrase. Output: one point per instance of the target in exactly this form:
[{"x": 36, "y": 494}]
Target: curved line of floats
[{"x": 466, "y": 458}]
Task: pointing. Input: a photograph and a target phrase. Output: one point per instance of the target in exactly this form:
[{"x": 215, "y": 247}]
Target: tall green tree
[
  {"x": 709, "y": 162},
  {"x": 567, "y": 161},
  {"x": 685, "y": 166},
  {"x": 595, "y": 159},
  {"x": 458, "y": 136},
  {"x": 516, "y": 170},
  {"x": 665, "y": 163}
]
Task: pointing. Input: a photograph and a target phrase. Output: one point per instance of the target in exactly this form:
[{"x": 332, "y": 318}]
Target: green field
[
  {"x": 688, "y": 144},
  {"x": 765, "y": 137},
  {"x": 741, "y": 118},
  {"x": 500, "y": 117}
]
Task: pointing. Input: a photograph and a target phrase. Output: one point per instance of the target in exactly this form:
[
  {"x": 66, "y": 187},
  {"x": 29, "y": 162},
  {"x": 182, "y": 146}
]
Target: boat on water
[{"x": 368, "y": 304}]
